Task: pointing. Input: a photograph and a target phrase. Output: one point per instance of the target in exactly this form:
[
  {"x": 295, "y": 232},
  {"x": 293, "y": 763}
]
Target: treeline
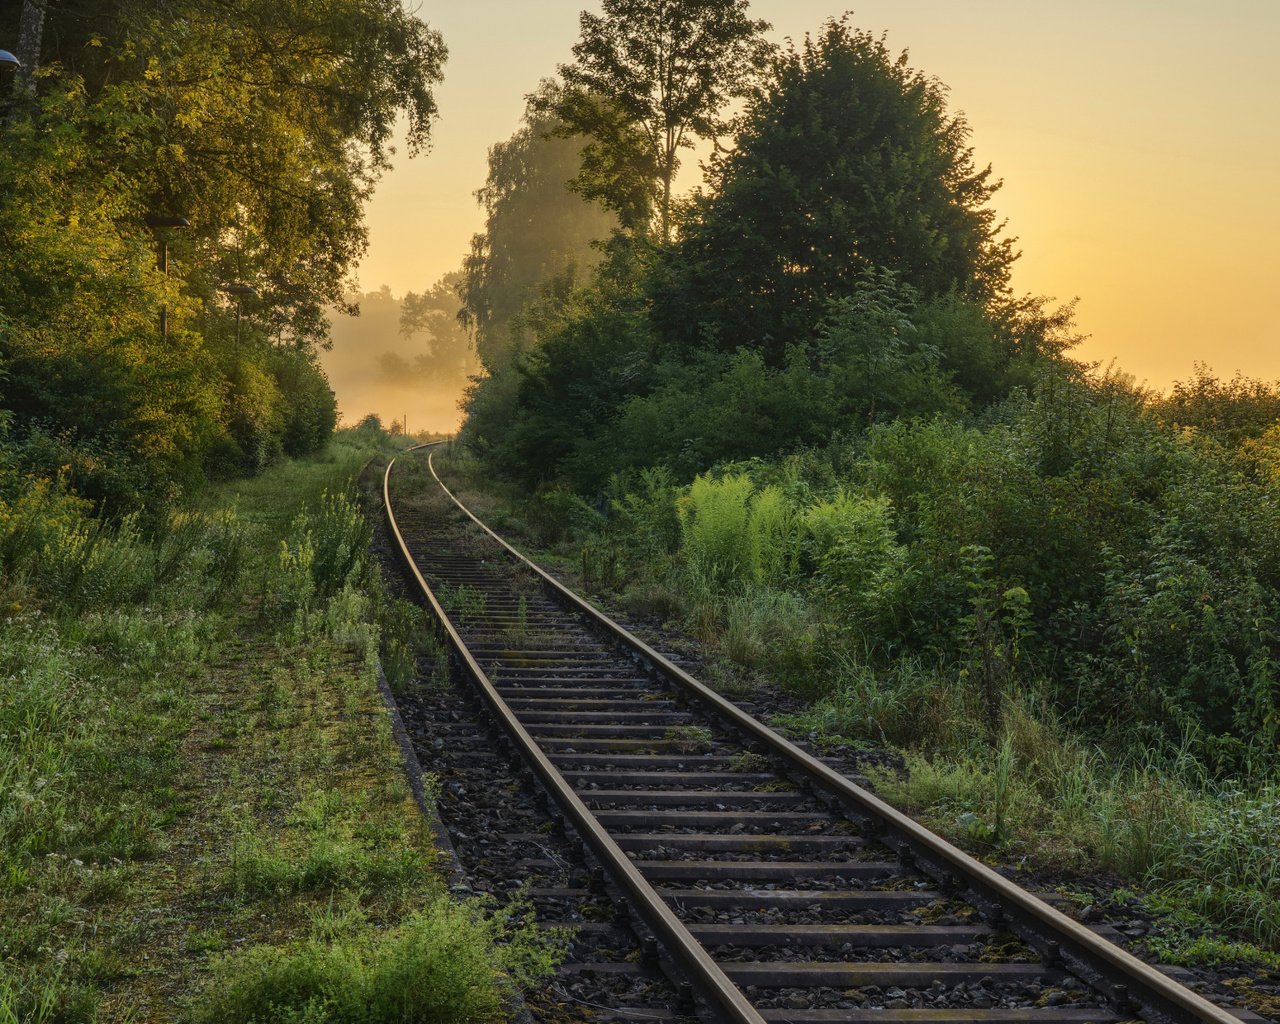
[
  {"x": 808, "y": 394},
  {"x": 201, "y": 165},
  {"x": 841, "y": 267}
]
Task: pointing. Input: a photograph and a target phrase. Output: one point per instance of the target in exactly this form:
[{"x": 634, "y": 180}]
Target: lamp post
[
  {"x": 160, "y": 223},
  {"x": 240, "y": 291}
]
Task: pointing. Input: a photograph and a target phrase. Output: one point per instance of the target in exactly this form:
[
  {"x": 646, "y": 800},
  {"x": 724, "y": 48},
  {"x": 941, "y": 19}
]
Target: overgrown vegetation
[
  {"x": 816, "y": 427},
  {"x": 1066, "y": 631},
  {"x": 134, "y": 377},
  {"x": 203, "y": 814}
]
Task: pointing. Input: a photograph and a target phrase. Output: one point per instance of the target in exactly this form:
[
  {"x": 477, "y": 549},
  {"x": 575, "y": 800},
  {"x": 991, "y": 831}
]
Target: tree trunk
[{"x": 30, "y": 36}]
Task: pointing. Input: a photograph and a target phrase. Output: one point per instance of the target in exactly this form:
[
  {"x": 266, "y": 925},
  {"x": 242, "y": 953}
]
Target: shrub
[
  {"x": 773, "y": 533},
  {"x": 714, "y": 527},
  {"x": 310, "y": 410},
  {"x": 861, "y": 567},
  {"x": 325, "y": 550},
  {"x": 443, "y": 964}
]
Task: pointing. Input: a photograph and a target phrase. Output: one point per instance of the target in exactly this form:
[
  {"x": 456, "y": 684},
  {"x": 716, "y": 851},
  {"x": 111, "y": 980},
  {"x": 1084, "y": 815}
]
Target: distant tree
[
  {"x": 665, "y": 67},
  {"x": 434, "y": 313},
  {"x": 848, "y": 162},
  {"x": 535, "y": 228}
]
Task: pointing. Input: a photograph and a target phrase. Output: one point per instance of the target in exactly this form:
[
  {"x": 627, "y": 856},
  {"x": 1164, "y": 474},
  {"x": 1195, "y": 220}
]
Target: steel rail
[
  {"x": 1113, "y": 971},
  {"x": 706, "y": 975}
]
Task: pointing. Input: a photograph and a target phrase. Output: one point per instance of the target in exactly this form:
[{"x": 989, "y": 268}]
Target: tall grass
[
  {"x": 133, "y": 665},
  {"x": 1156, "y": 818},
  {"x": 435, "y": 967},
  {"x": 714, "y": 528}
]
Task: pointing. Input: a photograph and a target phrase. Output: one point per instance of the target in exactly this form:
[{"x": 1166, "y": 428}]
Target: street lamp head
[
  {"x": 9, "y": 61},
  {"x": 156, "y": 220},
  {"x": 240, "y": 290}
]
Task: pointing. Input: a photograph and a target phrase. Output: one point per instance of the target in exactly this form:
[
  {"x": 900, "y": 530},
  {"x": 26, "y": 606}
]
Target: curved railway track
[{"x": 767, "y": 886}]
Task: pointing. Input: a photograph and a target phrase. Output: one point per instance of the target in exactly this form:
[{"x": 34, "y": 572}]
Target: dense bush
[
  {"x": 1070, "y": 543},
  {"x": 436, "y": 967}
]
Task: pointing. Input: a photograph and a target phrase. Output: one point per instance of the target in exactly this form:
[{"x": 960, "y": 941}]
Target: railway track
[{"x": 765, "y": 885}]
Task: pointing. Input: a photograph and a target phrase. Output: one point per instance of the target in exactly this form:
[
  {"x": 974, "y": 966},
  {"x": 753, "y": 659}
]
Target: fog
[{"x": 374, "y": 368}]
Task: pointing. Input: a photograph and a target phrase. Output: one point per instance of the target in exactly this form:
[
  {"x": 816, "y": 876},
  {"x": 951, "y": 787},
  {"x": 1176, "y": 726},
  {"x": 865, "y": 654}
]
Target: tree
[
  {"x": 535, "y": 228},
  {"x": 449, "y": 360},
  {"x": 30, "y": 36},
  {"x": 266, "y": 123},
  {"x": 848, "y": 163},
  {"x": 666, "y": 68}
]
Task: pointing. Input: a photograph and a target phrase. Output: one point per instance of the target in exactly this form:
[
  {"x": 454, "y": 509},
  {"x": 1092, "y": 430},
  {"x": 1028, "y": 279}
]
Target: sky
[{"x": 1138, "y": 140}]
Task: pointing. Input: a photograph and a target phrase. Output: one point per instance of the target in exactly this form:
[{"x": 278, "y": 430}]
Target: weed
[
  {"x": 750, "y": 762},
  {"x": 441, "y": 964},
  {"x": 465, "y": 601},
  {"x": 689, "y": 739},
  {"x": 518, "y": 631}
]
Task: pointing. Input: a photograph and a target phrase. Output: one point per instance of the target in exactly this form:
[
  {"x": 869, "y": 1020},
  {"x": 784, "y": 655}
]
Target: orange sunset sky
[{"x": 1139, "y": 143}]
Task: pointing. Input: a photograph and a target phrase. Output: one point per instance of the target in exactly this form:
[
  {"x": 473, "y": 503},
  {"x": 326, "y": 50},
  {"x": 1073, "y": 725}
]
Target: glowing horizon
[{"x": 1136, "y": 141}]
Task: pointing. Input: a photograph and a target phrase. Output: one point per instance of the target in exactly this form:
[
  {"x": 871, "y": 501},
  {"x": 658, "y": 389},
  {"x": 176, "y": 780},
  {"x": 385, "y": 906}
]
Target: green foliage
[
  {"x": 406, "y": 635},
  {"x": 537, "y": 419},
  {"x": 326, "y": 550},
  {"x": 439, "y": 965},
  {"x": 134, "y": 117},
  {"x": 331, "y": 860},
  {"x": 847, "y": 162},
  {"x": 649, "y": 77},
  {"x": 772, "y": 532},
  {"x": 1231, "y": 412},
  {"x": 715, "y": 519},
  {"x": 599, "y": 394},
  {"x": 861, "y": 567},
  {"x": 903, "y": 703},
  {"x": 312, "y": 411}
]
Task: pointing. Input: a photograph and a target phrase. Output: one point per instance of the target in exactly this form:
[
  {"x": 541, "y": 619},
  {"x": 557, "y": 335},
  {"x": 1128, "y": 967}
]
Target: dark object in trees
[{"x": 849, "y": 162}]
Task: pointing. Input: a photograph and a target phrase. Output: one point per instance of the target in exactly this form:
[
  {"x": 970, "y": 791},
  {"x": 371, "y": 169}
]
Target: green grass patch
[
  {"x": 435, "y": 967},
  {"x": 203, "y": 812}
]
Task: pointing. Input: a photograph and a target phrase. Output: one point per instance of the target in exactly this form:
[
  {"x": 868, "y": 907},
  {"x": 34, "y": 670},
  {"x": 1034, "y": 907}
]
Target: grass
[
  {"x": 689, "y": 739},
  {"x": 437, "y": 964},
  {"x": 203, "y": 812},
  {"x": 1040, "y": 795}
]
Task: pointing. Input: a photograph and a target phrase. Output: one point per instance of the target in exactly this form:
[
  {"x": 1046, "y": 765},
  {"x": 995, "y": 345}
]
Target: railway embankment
[
  {"x": 203, "y": 812},
  {"x": 991, "y": 798}
]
